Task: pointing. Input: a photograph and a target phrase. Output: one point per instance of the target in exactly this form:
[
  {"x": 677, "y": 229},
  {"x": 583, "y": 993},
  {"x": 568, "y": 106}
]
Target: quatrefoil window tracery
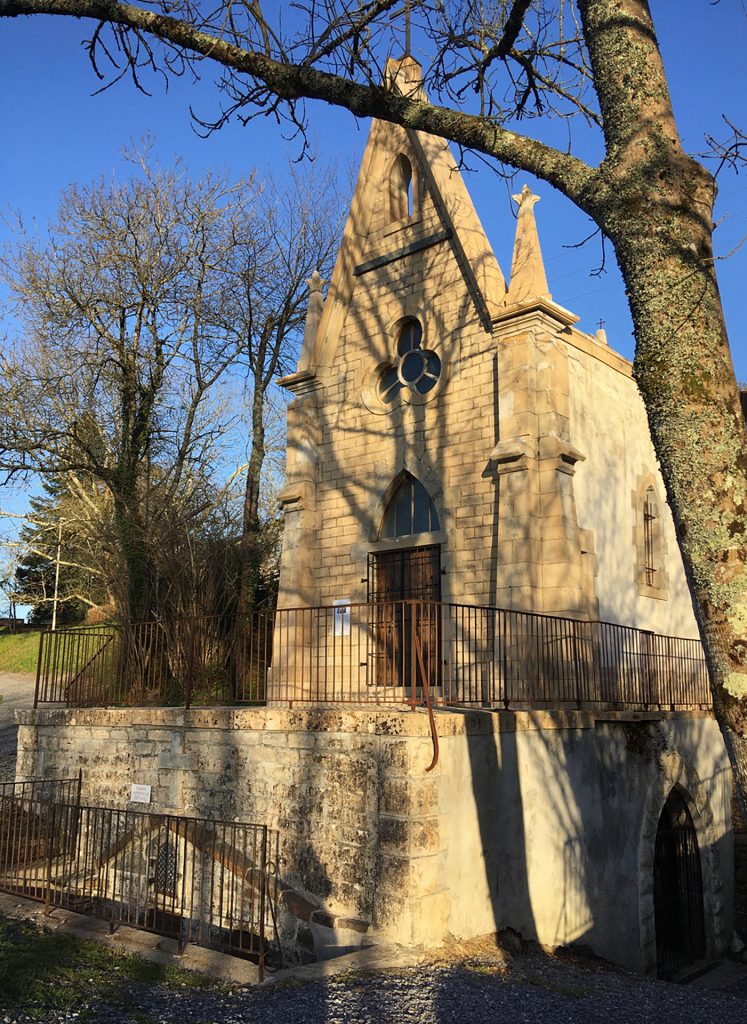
[{"x": 415, "y": 368}]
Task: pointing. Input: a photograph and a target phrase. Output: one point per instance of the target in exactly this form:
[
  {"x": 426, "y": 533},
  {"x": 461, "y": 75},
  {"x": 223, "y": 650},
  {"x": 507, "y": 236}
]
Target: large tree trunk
[
  {"x": 139, "y": 567},
  {"x": 656, "y": 204},
  {"x": 250, "y": 547},
  {"x": 683, "y": 368}
]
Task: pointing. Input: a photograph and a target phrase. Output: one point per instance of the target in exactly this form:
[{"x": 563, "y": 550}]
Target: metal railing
[
  {"x": 66, "y": 791},
  {"x": 195, "y": 661},
  {"x": 366, "y": 654},
  {"x": 200, "y": 881}
]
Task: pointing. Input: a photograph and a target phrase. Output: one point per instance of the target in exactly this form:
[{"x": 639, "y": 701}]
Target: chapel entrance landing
[{"x": 678, "y": 889}]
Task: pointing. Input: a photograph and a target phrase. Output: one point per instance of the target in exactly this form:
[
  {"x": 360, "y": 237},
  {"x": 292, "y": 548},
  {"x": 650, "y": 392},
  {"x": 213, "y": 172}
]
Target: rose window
[{"x": 416, "y": 368}]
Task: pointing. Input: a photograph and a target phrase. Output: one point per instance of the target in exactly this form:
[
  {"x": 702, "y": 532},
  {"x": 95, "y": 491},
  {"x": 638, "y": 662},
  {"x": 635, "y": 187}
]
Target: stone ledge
[{"x": 388, "y": 723}]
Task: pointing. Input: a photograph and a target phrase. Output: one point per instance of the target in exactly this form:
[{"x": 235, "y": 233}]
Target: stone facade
[
  {"x": 529, "y": 443},
  {"x": 523, "y": 823}
]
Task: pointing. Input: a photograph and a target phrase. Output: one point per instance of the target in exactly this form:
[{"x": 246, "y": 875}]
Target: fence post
[
  {"x": 504, "y": 619},
  {"x": 38, "y": 669},
  {"x": 50, "y": 850},
  {"x": 414, "y": 623},
  {"x": 190, "y": 663},
  {"x": 262, "y": 904}
]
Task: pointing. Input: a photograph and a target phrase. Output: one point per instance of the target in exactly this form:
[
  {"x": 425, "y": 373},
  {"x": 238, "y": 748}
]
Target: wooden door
[{"x": 405, "y": 587}]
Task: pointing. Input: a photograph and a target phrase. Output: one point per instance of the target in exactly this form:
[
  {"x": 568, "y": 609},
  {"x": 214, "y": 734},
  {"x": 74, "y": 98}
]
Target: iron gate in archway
[{"x": 678, "y": 889}]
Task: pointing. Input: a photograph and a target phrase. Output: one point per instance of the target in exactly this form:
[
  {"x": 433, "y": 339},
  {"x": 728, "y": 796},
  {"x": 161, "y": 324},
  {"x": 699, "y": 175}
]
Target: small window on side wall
[
  {"x": 650, "y": 530},
  {"x": 651, "y": 574},
  {"x": 401, "y": 193}
]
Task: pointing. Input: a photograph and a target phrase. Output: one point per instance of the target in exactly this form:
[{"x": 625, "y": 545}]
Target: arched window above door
[{"x": 410, "y": 511}]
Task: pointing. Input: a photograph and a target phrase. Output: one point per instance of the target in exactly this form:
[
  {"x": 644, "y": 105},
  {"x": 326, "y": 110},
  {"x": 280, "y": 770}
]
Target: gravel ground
[
  {"x": 482, "y": 990},
  {"x": 17, "y": 691}
]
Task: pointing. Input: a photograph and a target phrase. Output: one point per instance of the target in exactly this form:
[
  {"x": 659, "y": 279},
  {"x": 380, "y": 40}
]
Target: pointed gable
[{"x": 409, "y": 197}]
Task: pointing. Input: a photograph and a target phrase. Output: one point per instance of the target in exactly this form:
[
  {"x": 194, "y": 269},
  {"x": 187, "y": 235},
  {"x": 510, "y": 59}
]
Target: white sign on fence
[
  {"x": 342, "y": 616},
  {"x": 140, "y": 794}
]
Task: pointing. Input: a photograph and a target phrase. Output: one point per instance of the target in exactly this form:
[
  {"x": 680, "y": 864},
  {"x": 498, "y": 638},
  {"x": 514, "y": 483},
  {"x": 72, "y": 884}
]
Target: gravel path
[
  {"x": 532, "y": 989},
  {"x": 17, "y": 691}
]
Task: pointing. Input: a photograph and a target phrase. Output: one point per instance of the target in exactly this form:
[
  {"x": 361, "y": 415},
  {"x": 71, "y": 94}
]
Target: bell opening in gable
[{"x": 401, "y": 190}]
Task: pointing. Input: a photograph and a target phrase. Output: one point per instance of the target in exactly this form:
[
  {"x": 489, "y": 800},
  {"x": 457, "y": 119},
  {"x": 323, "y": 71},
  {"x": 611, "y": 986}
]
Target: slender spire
[
  {"x": 313, "y": 316},
  {"x": 528, "y": 280}
]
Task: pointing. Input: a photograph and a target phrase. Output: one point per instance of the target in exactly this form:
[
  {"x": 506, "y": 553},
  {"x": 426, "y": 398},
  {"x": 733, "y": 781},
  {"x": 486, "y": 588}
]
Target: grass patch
[
  {"x": 42, "y": 970},
  {"x": 488, "y": 969},
  {"x": 19, "y": 652}
]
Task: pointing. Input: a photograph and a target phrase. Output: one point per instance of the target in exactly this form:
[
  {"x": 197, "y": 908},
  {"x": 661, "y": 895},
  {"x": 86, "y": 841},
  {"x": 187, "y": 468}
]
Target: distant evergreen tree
[
  {"x": 34, "y": 583},
  {"x": 56, "y": 520}
]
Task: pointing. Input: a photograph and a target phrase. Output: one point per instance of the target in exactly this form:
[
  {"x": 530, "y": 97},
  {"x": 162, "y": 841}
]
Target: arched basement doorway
[
  {"x": 678, "y": 889},
  {"x": 404, "y": 583}
]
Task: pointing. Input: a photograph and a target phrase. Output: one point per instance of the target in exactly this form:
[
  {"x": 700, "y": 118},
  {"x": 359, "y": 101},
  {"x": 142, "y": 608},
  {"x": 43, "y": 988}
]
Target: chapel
[
  {"x": 481, "y": 702},
  {"x": 473, "y": 496}
]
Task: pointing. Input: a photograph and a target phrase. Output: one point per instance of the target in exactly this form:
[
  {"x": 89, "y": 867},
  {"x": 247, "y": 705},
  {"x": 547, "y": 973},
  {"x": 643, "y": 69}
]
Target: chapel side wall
[
  {"x": 609, "y": 426},
  {"x": 566, "y": 816}
]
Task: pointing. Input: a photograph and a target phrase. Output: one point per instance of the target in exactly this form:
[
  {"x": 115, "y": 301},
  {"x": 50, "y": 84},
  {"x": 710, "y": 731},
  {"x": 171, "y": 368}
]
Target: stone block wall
[
  {"x": 357, "y": 817},
  {"x": 542, "y": 821}
]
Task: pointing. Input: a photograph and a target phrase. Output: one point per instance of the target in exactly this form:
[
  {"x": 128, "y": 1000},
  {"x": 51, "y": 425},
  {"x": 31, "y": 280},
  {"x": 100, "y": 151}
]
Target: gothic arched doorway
[
  {"x": 404, "y": 584},
  {"x": 678, "y": 889}
]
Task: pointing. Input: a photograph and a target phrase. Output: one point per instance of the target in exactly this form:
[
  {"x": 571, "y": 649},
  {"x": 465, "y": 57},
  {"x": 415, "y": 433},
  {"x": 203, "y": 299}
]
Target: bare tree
[
  {"x": 111, "y": 385},
  {"x": 294, "y": 234}
]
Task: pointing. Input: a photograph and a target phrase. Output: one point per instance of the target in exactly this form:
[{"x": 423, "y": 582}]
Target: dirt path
[{"x": 17, "y": 691}]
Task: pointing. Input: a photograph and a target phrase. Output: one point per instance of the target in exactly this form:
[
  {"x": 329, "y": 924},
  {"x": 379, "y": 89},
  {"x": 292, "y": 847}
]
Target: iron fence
[
  {"x": 43, "y": 790},
  {"x": 200, "y": 881},
  {"x": 366, "y": 654},
  {"x": 195, "y": 661}
]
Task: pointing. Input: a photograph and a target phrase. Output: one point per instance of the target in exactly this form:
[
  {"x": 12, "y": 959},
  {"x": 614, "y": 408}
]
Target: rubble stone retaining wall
[{"x": 542, "y": 821}]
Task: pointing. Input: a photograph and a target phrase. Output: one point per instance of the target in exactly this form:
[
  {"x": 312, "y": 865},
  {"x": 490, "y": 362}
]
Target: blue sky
[{"x": 55, "y": 132}]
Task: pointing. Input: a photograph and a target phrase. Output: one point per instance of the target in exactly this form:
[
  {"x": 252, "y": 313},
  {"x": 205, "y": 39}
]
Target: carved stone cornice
[{"x": 301, "y": 382}]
